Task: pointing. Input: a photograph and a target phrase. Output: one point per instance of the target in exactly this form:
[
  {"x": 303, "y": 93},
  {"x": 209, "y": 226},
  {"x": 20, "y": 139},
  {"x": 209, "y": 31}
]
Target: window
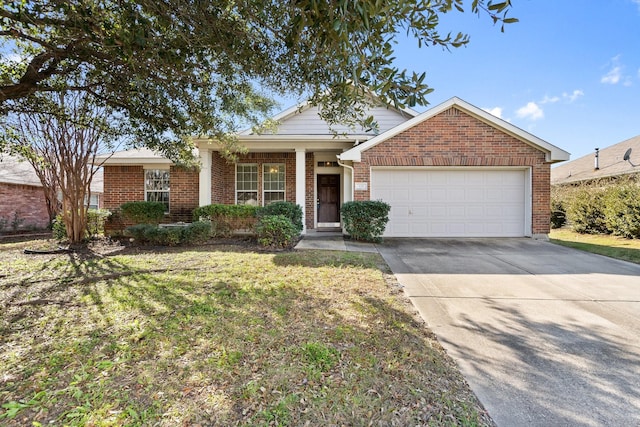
[
  {"x": 246, "y": 184},
  {"x": 94, "y": 201},
  {"x": 156, "y": 186},
  {"x": 272, "y": 183}
]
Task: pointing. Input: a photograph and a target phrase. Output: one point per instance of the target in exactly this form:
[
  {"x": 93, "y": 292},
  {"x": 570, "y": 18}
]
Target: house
[
  {"x": 621, "y": 159},
  {"x": 22, "y": 197},
  {"x": 452, "y": 171}
]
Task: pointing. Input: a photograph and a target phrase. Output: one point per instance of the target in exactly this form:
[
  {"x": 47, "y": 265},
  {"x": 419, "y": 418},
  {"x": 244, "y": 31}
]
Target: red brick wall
[
  {"x": 309, "y": 191},
  {"x": 184, "y": 195},
  {"x": 223, "y": 175},
  {"x": 126, "y": 184},
  {"x": 223, "y": 178},
  {"x": 453, "y": 138},
  {"x": 25, "y": 200}
]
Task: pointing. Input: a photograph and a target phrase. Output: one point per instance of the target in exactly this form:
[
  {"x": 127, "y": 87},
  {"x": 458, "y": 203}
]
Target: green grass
[
  {"x": 611, "y": 246},
  {"x": 217, "y": 335}
]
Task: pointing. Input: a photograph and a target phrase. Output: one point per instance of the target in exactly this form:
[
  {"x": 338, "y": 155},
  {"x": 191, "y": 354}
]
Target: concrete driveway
[{"x": 545, "y": 335}]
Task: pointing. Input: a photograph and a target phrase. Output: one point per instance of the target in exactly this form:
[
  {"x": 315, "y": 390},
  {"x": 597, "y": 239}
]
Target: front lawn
[
  {"x": 603, "y": 244},
  {"x": 217, "y": 335}
]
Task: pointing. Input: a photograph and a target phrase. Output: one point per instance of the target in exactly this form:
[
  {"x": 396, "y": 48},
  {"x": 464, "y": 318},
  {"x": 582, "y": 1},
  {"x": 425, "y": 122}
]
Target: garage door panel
[{"x": 451, "y": 203}]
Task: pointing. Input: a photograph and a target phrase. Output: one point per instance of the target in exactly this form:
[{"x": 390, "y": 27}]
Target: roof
[
  {"x": 553, "y": 153},
  {"x": 15, "y": 170},
  {"x": 610, "y": 159},
  {"x": 132, "y": 157}
]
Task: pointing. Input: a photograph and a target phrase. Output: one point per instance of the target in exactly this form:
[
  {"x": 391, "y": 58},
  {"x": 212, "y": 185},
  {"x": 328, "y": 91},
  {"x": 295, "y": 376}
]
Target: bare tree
[{"x": 62, "y": 149}]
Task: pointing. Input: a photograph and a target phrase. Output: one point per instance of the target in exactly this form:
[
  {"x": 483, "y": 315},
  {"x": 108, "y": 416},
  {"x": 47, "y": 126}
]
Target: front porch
[{"x": 312, "y": 179}]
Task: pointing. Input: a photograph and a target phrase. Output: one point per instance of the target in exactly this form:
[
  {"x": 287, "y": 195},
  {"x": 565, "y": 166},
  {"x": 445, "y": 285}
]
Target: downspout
[{"x": 353, "y": 172}]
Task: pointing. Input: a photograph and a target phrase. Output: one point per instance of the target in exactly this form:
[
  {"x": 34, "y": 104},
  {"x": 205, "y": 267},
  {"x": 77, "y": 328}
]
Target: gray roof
[
  {"x": 611, "y": 162},
  {"x": 14, "y": 170}
]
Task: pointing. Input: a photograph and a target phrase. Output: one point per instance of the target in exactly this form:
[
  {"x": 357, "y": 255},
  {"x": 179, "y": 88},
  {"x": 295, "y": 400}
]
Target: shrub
[
  {"x": 225, "y": 219},
  {"x": 585, "y": 211},
  {"x": 622, "y": 210},
  {"x": 287, "y": 209},
  {"x": 143, "y": 212},
  {"x": 58, "y": 229},
  {"x": 558, "y": 214},
  {"x": 3, "y": 223},
  {"x": 366, "y": 220},
  {"x": 197, "y": 232},
  {"x": 276, "y": 231},
  {"x": 96, "y": 219}
]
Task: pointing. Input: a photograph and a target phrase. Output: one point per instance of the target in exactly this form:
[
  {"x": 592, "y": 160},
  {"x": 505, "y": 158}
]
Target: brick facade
[
  {"x": 454, "y": 138},
  {"x": 126, "y": 184},
  {"x": 24, "y": 202}
]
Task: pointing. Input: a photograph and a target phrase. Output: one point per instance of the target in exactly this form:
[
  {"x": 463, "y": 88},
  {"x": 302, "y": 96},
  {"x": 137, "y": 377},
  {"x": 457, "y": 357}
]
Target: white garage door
[{"x": 452, "y": 202}]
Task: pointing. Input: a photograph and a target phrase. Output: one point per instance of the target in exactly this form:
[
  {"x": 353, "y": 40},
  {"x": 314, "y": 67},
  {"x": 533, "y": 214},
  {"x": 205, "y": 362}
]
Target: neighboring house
[
  {"x": 610, "y": 163},
  {"x": 21, "y": 195},
  {"x": 452, "y": 171}
]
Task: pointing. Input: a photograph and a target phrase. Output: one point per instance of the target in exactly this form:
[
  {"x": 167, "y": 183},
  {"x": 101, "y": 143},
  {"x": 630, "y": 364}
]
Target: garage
[{"x": 454, "y": 202}]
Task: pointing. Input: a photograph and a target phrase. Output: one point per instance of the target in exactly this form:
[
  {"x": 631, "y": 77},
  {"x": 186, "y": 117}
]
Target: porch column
[
  {"x": 301, "y": 185},
  {"x": 204, "y": 185}
]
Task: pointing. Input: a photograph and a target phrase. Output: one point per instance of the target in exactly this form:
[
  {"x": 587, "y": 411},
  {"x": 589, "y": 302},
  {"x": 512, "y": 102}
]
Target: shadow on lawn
[{"x": 178, "y": 345}]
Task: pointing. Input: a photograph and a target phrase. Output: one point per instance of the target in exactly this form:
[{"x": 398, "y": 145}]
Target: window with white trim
[
  {"x": 273, "y": 182},
  {"x": 156, "y": 186},
  {"x": 246, "y": 184}
]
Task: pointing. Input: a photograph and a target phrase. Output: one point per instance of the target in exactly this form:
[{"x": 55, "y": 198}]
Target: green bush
[
  {"x": 558, "y": 214},
  {"x": 585, "y": 210},
  {"x": 365, "y": 220},
  {"x": 196, "y": 232},
  {"x": 96, "y": 219},
  {"x": 287, "y": 209},
  {"x": 58, "y": 229},
  {"x": 622, "y": 210},
  {"x": 276, "y": 231},
  {"x": 143, "y": 212},
  {"x": 225, "y": 219}
]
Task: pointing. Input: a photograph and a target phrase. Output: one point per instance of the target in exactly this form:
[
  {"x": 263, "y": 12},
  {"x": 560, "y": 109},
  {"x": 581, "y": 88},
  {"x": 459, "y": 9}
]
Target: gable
[
  {"x": 457, "y": 132},
  {"x": 309, "y": 122}
]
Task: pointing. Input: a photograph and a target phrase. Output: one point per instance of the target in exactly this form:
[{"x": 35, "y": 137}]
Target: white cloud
[
  {"x": 550, "y": 99},
  {"x": 496, "y": 111},
  {"x": 573, "y": 95},
  {"x": 616, "y": 73},
  {"x": 613, "y": 76},
  {"x": 530, "y": 111}
]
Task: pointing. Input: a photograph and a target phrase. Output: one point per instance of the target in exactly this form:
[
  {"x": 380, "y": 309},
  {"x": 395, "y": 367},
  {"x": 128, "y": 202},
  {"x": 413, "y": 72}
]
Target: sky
[{"x": 568, "y": 72}]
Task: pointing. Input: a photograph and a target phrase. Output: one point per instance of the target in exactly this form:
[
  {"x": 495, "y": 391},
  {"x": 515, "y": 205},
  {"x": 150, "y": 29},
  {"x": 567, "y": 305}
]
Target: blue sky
[{"x": 568, "y": 72}]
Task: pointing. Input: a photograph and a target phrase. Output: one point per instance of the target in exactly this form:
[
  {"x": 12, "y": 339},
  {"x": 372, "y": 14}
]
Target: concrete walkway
[{"x": 331, "y": 241}]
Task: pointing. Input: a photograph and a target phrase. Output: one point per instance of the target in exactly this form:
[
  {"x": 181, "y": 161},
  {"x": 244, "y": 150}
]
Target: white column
[
  {"x": 205, "y": 177},
  {"x": 301, "y": 185}
]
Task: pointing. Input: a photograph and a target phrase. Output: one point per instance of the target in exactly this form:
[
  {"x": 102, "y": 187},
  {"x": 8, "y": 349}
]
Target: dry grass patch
[{"x": 218, "y": 336}]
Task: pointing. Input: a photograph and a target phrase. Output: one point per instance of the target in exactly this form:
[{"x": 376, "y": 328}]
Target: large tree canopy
[{"x": 191, "y": 67}]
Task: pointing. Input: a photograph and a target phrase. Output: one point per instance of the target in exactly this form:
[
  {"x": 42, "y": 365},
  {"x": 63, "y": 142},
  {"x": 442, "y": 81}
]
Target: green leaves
[{"x": 179, "y": 68}]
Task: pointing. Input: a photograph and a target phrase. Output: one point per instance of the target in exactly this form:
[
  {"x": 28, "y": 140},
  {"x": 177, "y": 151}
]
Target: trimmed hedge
[
  {"x": 226, "y": 219},
  {"x": 622, "y": 210},
  {"x": 276, "y": 231},
  {"x": 287, "y": 209},
  {"x": 365, "y": 220},
  {"x": 608, "y": 207},
  {"x": 196, "y": 232},
  {"x": 143, "y": 212}
]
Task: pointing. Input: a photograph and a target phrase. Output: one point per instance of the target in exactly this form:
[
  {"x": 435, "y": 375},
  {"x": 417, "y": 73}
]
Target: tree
[
  {"x": 61, "y": 143},
  {"x": 190, "y": 67}
]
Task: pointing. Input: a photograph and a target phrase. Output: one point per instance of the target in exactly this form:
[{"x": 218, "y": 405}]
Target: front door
[{"x": 328, "y": 200}]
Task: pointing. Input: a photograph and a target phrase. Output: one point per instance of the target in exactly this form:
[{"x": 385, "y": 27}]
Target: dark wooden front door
[{"x": 329, "y": 198}]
